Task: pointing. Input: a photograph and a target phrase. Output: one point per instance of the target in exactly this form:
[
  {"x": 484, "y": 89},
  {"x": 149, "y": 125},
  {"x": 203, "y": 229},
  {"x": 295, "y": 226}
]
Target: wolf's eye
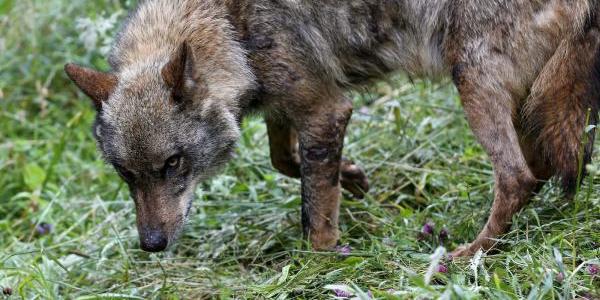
[{"x": 173, "y": 162}]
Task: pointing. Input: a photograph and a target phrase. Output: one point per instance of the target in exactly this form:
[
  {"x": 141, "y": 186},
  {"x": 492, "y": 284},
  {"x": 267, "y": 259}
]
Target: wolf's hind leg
[
  {"x": 283, "y": 147},
  {"x": 283, "y": 144},
  {"x": 489, "y": 108},
  {"x": 353, "y": 179},
  {"x": 563, "y": 100},
  {"x": 538, "y": 164}
]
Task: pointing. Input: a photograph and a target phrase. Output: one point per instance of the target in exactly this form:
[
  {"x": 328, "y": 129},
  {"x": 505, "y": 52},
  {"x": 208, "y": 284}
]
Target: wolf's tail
[{"x": 563, "y": 102}]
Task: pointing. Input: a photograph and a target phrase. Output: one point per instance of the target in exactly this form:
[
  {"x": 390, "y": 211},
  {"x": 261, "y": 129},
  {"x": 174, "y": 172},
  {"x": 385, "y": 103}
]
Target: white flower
[
  {"x": 87, "y": 33},
  {"x": 96, "y": 35},
  {"x": 476, "y": 262}
]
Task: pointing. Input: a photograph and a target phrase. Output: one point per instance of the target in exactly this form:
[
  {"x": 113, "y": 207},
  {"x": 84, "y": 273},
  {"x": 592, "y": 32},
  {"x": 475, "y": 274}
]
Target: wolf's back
[{"x": 155, "y": 28}]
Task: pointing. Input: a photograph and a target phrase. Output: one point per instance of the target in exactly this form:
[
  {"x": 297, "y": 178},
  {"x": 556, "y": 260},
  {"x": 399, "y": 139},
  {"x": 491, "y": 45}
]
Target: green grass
[{"x": 243, "y": 239}]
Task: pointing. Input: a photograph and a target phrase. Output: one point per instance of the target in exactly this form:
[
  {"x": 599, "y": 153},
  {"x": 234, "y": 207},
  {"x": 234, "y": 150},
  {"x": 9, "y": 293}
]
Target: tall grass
[{"x": 67, "y": 223}]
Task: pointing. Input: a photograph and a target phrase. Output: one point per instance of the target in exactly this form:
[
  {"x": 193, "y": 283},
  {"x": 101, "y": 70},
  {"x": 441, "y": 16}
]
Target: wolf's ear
[
  {"x": 179, "y": 70},
  {"x": 97, "y": 85}
]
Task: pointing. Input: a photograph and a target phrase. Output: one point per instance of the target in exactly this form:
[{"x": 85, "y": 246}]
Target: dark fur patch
[
  {"x": 457, "y": 73},
  {"x": 316, "y": 153},
  {"x": 260, "y": 42}
]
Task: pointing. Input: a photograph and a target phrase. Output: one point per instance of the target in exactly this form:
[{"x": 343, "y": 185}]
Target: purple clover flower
[
  {"x": 560, "y": 277},
  {"x": 344, "y": 250},
  {"x": 442, "y": 269},
  {"x": 443, "y": 235},
  {"x": 342, "y": 293},
  {"x": 427, "y": 228},
  {"x": 593, "y": 269},
  {"x": 588, "y": 296},
  {"x": 44, "y": 228},
  {"x": 7, "y": 291}
]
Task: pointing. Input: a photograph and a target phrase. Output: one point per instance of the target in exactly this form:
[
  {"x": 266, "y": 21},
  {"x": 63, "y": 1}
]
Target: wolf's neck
[{"x": 157, "y": 28}]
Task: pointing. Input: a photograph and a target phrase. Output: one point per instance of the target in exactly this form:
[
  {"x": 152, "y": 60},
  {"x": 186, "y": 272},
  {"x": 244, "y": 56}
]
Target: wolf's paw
[
  {"x": 463, "y": 251},
  {"x": 353, "y": 179},
  {"x": 324, "y": 240}
]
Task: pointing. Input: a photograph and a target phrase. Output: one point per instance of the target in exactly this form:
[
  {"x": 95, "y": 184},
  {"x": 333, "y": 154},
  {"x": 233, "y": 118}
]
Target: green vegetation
[{"x": 67, "y": 225}]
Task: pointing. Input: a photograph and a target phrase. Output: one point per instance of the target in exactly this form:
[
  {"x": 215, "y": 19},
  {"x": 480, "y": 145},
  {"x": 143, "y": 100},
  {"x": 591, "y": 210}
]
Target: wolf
[{"x": 184, "y": 73}]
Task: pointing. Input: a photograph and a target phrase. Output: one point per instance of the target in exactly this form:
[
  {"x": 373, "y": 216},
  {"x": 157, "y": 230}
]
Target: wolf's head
[{"x": 164, "y": 128}]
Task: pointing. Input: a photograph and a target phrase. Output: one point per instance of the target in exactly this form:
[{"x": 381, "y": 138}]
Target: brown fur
[
  {"x": 96, "y": 85},
  {"x": 283, "y": 144},
  {"x": 526, "y": 71},
  {"x": 557, "y": 109}
]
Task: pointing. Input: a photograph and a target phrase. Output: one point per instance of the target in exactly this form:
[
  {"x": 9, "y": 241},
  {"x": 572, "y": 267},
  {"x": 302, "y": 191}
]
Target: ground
[{"x": 67, "y": 223}]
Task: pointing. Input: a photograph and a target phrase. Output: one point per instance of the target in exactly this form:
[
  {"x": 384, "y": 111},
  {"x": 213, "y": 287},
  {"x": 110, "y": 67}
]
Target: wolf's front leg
[
  {"x": 321, "y": 135},
  {"x": 283, "y": 145}
]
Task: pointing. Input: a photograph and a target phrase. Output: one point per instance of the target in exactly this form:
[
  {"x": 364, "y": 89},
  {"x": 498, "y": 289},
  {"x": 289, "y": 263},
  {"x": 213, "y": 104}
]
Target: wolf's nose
[{"x": 153, "y": 241}]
